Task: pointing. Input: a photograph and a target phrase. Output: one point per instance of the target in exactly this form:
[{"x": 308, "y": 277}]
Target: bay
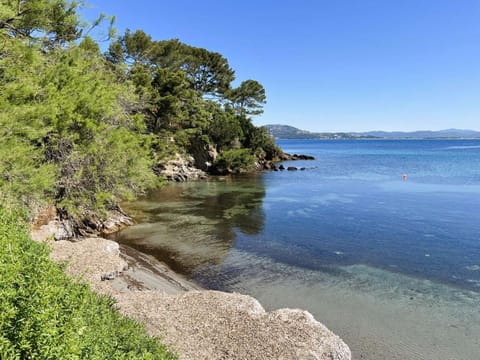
[{"x": 380, "y": 240}]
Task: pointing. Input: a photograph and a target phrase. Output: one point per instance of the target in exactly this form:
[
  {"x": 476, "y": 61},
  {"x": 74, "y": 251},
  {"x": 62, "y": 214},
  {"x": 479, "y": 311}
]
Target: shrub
[
  {"x": 46, "y": 315},
  {"x": 235, "y": 161}
]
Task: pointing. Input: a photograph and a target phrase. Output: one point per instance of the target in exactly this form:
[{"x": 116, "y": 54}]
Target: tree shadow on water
[{"x": 193, "y": 224}]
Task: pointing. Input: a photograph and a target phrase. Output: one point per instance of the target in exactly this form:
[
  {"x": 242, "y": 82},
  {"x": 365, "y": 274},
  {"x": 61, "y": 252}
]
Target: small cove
[{"x": 389, "y": 265}]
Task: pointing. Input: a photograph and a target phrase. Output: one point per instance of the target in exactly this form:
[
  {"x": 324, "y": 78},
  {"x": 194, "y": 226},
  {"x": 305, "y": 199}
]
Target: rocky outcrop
[
  {"x": 181, "y": 168},
  {"x": 49, "y": 224},
  {"x": 263, "y": 164},
  {"x": 286, "y": 157},
  {"x": 203, "y": 154},
  {"x": 53, "y": 223}
]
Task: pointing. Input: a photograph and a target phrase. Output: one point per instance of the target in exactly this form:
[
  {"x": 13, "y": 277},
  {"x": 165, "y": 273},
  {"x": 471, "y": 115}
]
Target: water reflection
[{"x": 193, "y": 224}]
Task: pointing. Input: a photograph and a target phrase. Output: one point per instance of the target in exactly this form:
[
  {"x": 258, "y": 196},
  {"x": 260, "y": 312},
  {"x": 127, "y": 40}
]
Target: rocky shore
[
  {"x": 185, "y": 168},
  {"x": 194, "y": 322}
]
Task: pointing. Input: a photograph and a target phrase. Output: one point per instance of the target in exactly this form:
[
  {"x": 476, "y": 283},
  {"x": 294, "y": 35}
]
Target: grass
[{"x": 46, "y": 315}]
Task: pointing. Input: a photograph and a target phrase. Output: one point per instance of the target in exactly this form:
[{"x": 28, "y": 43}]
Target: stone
[
  {"x": 219, "y": 325},
  {"x": 181, "y": 168}
]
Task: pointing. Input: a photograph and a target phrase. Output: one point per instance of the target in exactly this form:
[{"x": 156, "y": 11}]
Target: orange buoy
[{"x": 404, "y": 176}]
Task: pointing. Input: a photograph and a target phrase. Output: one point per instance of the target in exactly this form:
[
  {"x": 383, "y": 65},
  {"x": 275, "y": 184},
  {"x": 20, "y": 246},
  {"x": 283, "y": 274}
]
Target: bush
[
  {"x": 235, "y": 161},
  {"x": 45, "y": 315}
]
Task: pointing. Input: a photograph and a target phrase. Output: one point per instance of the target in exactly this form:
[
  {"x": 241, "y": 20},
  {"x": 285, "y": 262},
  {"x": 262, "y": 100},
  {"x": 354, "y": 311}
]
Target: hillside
[{"x": 290, "y": 132}]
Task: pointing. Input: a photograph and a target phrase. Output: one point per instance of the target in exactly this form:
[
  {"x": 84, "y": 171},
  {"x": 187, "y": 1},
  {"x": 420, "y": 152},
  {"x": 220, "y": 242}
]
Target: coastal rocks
[
  {"x": 56, "y": 229},
  {"x": 116, "y": 221},
  {"x": 218, "y": 325},
  {"x": 265, "y": 165},
  {"x": 286, "y": 156},
  {"x": 203, "y": 154},
  {"x": 270, "y": 165},
  {"x": 180, "y": 169},
  {"x": 50, "y": 223}
]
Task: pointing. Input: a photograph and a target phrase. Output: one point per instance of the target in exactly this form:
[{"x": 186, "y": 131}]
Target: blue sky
[{"x": 343, "y": 65}]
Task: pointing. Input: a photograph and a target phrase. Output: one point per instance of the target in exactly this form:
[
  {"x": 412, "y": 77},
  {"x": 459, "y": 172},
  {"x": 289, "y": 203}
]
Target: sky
[{"x": 334, "y": 65}]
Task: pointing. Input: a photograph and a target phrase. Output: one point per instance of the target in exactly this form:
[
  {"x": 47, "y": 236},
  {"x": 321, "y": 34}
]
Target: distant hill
[
  {"x": 426, "y": 134},
  {"x": 290, "y": 132}
]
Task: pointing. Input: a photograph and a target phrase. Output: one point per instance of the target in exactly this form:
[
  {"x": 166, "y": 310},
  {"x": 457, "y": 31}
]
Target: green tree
[
  {"x": 69, "y": 129},
  {"x": 248, "y": 98},
  {"x": 224, "y": 128},
  {"x": 51, "y": 21},
  {"x": 208, "y": 72}
]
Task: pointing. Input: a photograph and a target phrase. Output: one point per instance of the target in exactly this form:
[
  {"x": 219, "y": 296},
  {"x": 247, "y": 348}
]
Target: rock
[
  {"x": 116, "y": 221},
  {"x": 218, "y": 325},
  {"x": 48, "y": 223},
  {"x": 286, "y": 156},
  {"x": 64, "y": 230},
  {"x": 302, "y": 169},
  {"x": 291, "y": 168},
  {"x": 203, "y": 154},
  {"x": 44, "y": 216},
  {"x": 180, "y": 169},
  {"x": 265, "y": 165},
  {"x": 110, "y": 276},
  {"x": 281, "y": 167},
  {"x": 55, "y": 229}
]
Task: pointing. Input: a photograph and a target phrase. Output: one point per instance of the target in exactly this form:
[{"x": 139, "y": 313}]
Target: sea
[{"x": 378, "y": 239}]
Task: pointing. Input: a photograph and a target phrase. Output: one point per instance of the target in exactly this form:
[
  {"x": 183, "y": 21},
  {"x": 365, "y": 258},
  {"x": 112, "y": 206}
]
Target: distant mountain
[
  {"x": 290, "y": 132},
  {"x": 426, "y": 134}
]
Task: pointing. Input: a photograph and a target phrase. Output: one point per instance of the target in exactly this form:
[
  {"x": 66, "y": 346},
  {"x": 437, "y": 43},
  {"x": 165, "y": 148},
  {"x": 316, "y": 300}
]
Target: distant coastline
[{"x": 285, "y": 132}]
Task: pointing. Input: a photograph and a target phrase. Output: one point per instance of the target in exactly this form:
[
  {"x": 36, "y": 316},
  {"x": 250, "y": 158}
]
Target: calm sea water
[{"x": 390, "y": 265}]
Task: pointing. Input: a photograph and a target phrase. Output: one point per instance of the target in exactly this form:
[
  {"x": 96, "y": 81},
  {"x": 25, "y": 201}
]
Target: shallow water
[{"x": 391, "y": 266}]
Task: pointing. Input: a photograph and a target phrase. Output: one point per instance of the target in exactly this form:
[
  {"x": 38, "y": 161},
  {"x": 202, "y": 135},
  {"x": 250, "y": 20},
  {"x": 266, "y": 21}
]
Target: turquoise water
[{"x": 390, "y": 265}]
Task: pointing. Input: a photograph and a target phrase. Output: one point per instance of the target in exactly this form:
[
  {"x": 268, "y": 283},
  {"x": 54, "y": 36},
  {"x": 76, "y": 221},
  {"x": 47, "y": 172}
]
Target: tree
[
  {"x": 224, "y": 129},
  {"x": 248, "y": 98},
  {"x": 208, "y": 72},
  {"x": 51, "y": 21}
]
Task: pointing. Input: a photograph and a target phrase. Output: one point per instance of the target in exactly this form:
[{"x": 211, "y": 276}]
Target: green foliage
[
  {"x": 208, "y": 72},
  {"x": 71, "y": 128},
  {"x": 224, "y": 129},
  {"x": 25, "y": 177},
  {"x": 235, "y": 161},
  {"x": 84, "y": 129},
  {"x": 49, "y": 21},
  {"x": 248, "y": 98},
  {"x": 45, "y": 315}
]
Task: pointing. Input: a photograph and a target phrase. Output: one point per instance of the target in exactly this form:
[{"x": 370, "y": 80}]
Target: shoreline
[
  {"x": 196, "y": 323},
  {"x": 145, "y": 272}
]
